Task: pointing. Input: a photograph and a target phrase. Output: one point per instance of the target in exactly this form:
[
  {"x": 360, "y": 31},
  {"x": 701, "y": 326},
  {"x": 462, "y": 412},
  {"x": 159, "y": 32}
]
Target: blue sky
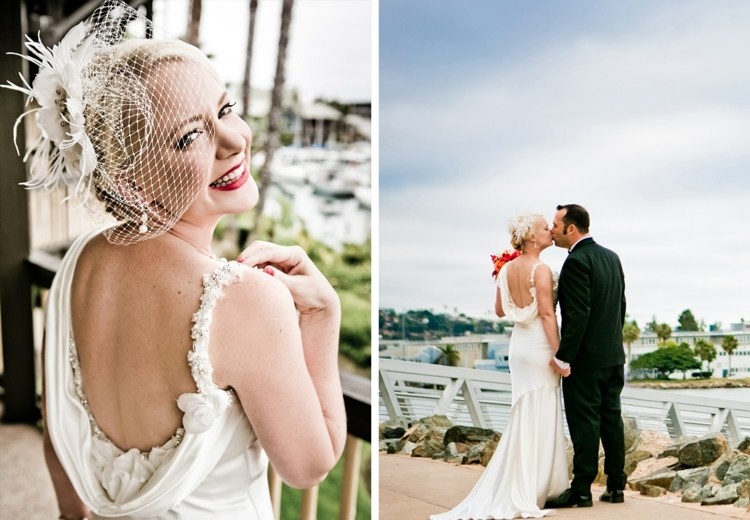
[{"x": 640, "y": 111}]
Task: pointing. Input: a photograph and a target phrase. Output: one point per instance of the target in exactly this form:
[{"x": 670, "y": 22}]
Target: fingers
[{"x": 262, "y": 254}]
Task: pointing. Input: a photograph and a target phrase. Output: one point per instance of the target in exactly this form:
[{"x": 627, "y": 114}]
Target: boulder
[
  {"x": 703, "y": 451},
  {"x": 692, "y": 494},
  {"x": 652, "y": 491},
  {"x": 652, "y": 441},
  {"x": 634, "y": 458},
  {"x": 651, "y": 467},
  {"x": 663, "y": 480},
  {"x": 393, "y": 424},
  {"x": 481, "y": 453},
  {"x": 725, "y": 495},
  {"x": 430, "y": 444},
  {"x": 470, "y": 434},
  {"x": 738, "y": 470},
  {"x": 393, "y": 433},
  {"x": 743, "y": 445},
  {"x": 631, "y": 433},
  {"x": 454, "y": 454},
  {"x": 694, "y": 477},
  {"x": 441, "y": 421}
]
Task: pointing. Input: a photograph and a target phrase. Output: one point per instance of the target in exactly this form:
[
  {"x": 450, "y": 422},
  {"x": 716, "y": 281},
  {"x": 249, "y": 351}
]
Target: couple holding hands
[{"x": 528, "y": 474}]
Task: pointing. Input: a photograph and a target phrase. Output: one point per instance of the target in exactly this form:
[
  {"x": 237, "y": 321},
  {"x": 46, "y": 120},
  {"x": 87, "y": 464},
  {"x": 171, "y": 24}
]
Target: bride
[{"x": 530, "y": 462}]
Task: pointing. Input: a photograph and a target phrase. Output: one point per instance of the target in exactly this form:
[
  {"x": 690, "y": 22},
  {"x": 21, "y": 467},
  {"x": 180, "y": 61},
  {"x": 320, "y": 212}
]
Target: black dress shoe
[
  {"x": 569, "y": 499},
  {"x": 615, "y": 496}
]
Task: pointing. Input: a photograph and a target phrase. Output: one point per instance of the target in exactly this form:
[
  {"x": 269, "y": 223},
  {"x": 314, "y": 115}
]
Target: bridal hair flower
[
  {"x": 123, "y": 121},
  {"x": 520, "y": 226},
  {"x": 63, "y": 152},
  {"x": 499, "y": 261}
]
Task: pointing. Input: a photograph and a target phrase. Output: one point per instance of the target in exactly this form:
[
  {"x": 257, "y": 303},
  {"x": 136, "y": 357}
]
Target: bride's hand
[
  {"x": 310, "y": 290},
  {"x": 565, "y": 372}
]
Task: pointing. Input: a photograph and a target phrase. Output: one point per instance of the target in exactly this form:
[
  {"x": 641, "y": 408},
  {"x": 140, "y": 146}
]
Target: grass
[{"x": 329, "y": 493}]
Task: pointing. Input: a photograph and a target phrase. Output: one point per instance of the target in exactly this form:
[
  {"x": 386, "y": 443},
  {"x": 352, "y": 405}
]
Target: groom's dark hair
[{"x": 576, "y": 215}]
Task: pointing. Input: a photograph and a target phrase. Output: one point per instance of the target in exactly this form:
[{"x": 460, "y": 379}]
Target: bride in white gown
[{"x": 530, "y": 462}]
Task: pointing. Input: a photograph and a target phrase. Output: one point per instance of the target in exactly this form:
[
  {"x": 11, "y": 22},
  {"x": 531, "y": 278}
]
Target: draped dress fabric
[
  {"x": 530, "y": 463},
  {"x": 212, "y": 467}
]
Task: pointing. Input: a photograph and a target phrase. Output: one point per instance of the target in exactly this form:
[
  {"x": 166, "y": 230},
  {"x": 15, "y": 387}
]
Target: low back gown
[
  {"x": 530, "y": 463},
  {"x": 212, "y": 467}
]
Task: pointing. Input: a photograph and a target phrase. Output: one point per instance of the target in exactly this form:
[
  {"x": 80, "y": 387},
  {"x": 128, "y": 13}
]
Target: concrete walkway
[{"x": 414, "y": 488}]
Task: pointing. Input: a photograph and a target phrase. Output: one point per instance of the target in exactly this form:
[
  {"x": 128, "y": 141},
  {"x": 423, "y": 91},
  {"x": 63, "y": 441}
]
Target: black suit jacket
[{"x": 591, "y": 293}]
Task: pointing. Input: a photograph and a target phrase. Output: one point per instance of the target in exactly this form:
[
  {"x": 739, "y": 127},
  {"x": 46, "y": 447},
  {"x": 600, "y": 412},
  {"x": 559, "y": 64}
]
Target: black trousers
[{"x": 592, "y": 407}]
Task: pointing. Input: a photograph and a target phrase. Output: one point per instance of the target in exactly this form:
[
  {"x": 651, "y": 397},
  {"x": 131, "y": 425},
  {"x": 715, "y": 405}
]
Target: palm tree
[
  {"x": 706, "y": 351},
  {"x": 729, "y": 344},
  {"x": 194, "y": 22},
  {"x": 630, "y": 334},
  {"x": 248, "y": 59},
  {"x": 450, "y": 355},
  {"x": 274, "y": 115},
  {"x": 663, "y": 332}
]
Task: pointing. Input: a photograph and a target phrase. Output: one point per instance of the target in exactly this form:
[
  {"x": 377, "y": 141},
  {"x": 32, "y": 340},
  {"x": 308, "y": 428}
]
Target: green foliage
[
  {"x": 706, "y": 351},
  {"x": 450, "y": 356},
  {"x": 663, "y": 332},
  {"x": 329, "y": 494},
  {"x": 424, "y": 324},
  {"x": 668, "y": 359},
  {"x": 687, "y": 322},
  {"x": 729, "y": 344}
]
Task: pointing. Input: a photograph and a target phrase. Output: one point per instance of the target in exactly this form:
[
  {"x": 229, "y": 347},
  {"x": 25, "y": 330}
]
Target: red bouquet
[{"x": 500, "y": 261}]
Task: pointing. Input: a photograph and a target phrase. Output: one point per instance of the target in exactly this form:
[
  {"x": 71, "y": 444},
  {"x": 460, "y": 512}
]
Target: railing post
[
  {"x": 472, "y": 403},
  {"x": 449, "y": 394},
  {"x": 674, "y": 416},
  {"x": 15, "y": 281},
  {"x": 309, "y": 504},
  {"x": 389, "y": 396},
  {"x": 352, "y": 461}
]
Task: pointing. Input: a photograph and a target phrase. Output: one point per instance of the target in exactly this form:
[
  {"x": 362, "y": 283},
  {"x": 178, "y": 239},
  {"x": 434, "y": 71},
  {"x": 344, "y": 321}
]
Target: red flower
[{"x": 500, "y": 261}]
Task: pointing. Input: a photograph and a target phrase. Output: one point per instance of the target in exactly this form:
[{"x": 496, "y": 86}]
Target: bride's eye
[
  {"x": 226, "y": 109},
  {"x": 187, "y": 139}
]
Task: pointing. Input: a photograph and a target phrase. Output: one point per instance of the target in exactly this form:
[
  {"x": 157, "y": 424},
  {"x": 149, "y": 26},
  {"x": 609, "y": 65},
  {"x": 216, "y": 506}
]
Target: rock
[
  {"x": 742, "y": 502},
  {"x": 720, "y": 466},
  {"x": 743, "y": 445},
  {"x": 393, "y": 423},
  {"x": 393, "y": 433},
  {"x": 674, "y": 448},
  {"x": 743, "y": 490},
  {"x": 653, "y": 441},
  {"x": 470, "y": 434},
  {"x": 390, "y": 445},
  {"x": 631, "y": 432},
  {"x": 481, "y": 453},
  {"x": 453, "y": 454},
  {"x": 652, "y": 466},
  {"x": 662, "y": 480},
  {"x": 738, "y": 470},
  {"x": 634, "y": 458},
  {"x": 703, "y": 451},
  {"x": 692, "y": 494},
  {"x": 430, "y": 445},
  {"x": 694, "y": 477},
  {"x": 652, "y": 491},
  {"x": 725, "y": 495},
  {"x": 408, "y": 447},
  {"x": 440, "y": 421}
]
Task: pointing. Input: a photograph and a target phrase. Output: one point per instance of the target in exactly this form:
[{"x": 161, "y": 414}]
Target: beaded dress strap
[{"x": 213, "y": 290}]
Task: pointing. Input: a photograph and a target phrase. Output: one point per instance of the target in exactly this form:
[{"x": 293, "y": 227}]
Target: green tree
[
  {"x": 450, "y": 356},
  {"x": 729, "y": 344},
  {"x": 687, "y": 322},
  {"x": 668, "y": 359},
  {"x": 706, "y": 351},
  {"x": 651, "y": 325},
  {"x": 630, "y": 334},
  {"x": 663, "y": 332}
]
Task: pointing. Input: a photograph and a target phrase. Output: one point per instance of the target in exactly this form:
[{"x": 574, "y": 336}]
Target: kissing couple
[{"x": 528, "y": 473}]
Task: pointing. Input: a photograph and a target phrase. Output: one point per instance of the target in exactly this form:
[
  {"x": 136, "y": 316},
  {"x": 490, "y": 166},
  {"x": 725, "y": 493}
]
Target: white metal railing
[{"x": 483, "y": 398}]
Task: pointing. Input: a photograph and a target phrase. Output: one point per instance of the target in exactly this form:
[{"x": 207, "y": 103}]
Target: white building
[{"x": 720, "y": 366}]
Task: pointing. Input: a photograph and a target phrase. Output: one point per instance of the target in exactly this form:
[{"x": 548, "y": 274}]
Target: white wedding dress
[
  {"x": 213, "y": 466},
  {"x": 530, "y": 463}
]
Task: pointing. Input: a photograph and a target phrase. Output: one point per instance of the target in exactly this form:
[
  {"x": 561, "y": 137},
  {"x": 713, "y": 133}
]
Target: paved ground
[{"x": 414, "y": 488}]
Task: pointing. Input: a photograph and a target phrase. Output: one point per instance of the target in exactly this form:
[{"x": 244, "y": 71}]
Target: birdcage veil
[{"x": 119, "y": 109}]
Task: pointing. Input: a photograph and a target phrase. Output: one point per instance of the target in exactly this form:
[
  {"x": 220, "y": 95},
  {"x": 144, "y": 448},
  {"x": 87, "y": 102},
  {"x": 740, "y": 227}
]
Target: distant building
[{"x": 720, "y": 366}]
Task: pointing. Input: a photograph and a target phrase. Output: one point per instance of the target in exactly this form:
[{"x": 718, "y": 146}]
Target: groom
[{"x": 591, "y": 293}]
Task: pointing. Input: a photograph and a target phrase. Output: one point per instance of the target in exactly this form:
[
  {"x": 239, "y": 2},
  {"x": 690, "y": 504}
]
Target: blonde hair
[{"x": 520, "y": 227}]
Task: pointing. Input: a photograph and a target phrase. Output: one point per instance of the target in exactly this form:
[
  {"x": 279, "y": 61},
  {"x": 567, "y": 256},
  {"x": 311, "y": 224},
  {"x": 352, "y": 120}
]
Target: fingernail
[
  {"x": 268, "y": 270},
  {"x": 240, "y": 258}
]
